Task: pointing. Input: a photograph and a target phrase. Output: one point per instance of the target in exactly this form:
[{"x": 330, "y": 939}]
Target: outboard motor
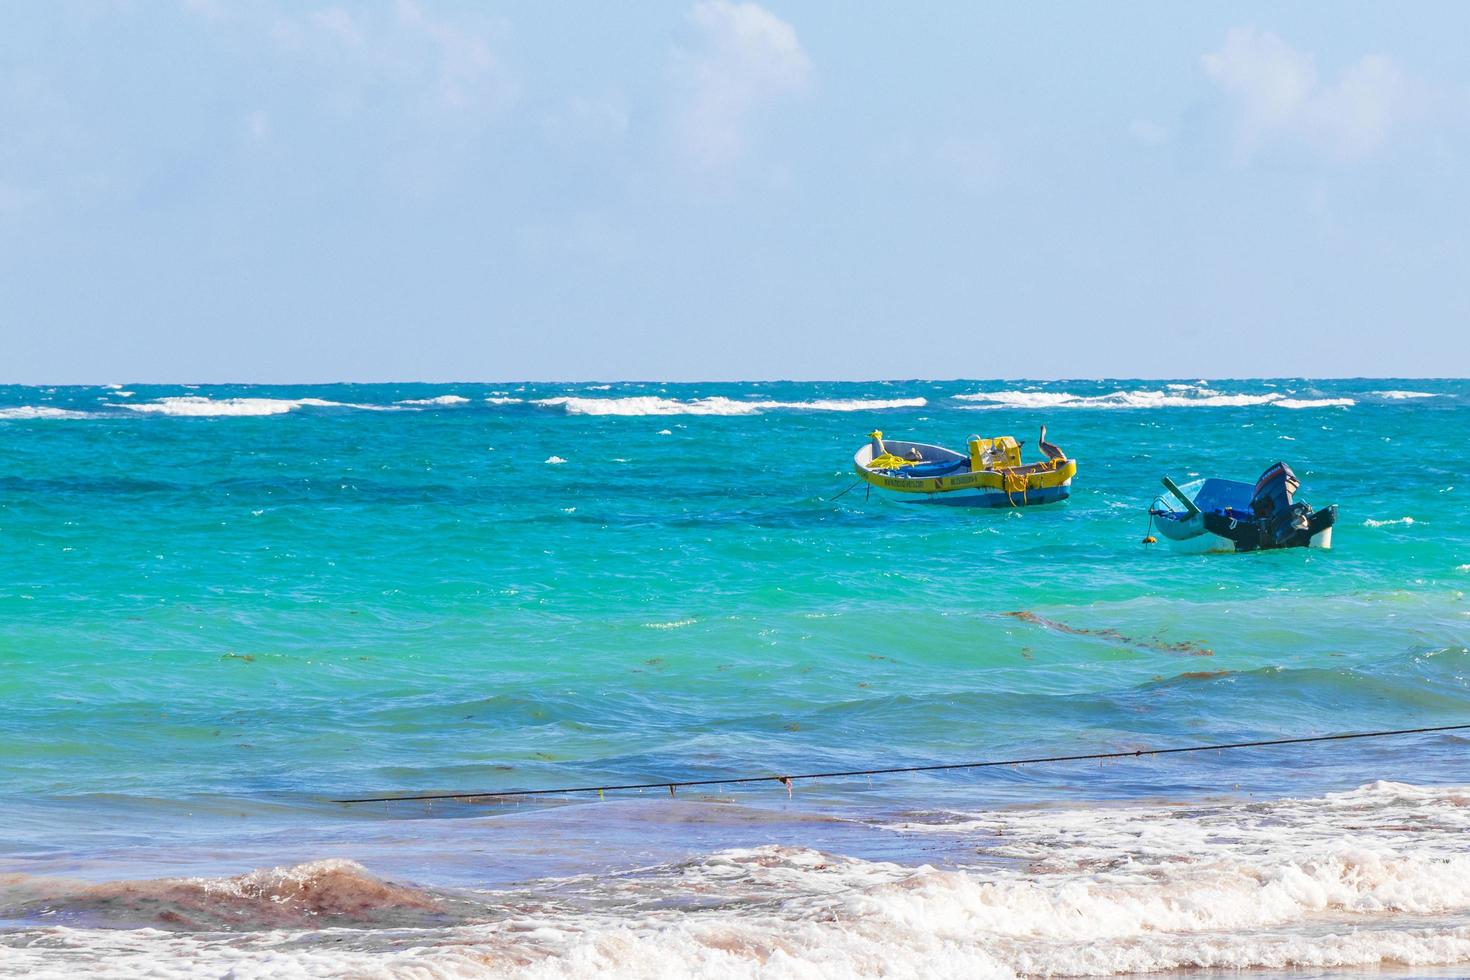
[
  {"x": 1275, "y": 519},
  {"x": 1280, "y": 518}
]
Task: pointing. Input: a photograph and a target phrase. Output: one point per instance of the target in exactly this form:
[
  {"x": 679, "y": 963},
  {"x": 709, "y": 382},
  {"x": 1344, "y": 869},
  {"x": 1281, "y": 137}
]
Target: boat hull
[
  {"x": 948, "y": 479},
  {"x": 1203, "y": 542},
  {"x": 1188, "y": 536},
  {"x": 986, "y": 488},
  {"x": 1312, "y": 529},
  {"x": 990, "y": 498},
  {"x": 1224, "y": 515}
]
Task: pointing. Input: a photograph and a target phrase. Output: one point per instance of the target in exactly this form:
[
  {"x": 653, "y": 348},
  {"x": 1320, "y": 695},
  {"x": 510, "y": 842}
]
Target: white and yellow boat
[{"x": 990, "y": 475}]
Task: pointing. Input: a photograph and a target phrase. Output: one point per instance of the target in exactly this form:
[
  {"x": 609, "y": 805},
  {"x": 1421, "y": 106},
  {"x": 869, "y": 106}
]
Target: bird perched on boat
[{"x": 1049, "y": 450}]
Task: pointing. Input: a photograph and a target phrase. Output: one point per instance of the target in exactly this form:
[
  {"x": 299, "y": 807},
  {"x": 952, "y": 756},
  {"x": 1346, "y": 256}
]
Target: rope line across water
[{"x": 787, "y": 778}]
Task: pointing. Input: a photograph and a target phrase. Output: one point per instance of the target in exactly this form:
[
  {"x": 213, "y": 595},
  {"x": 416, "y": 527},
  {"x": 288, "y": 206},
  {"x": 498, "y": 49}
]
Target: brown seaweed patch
[
  {"x": 315, "y": 895},
  {"x": 1187, "y": 647}
]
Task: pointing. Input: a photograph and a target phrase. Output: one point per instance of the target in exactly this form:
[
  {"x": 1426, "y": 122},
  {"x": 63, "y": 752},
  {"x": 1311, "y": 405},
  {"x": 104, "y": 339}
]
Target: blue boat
[{"x": 1226, "y": 515}]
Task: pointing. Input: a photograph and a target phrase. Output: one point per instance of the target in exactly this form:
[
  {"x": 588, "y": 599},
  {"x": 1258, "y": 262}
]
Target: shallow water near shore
[{"x": 223, "y": 607}]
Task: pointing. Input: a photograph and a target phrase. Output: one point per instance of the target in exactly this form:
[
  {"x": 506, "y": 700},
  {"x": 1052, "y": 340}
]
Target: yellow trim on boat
[{"x": 1053, "y": 475}]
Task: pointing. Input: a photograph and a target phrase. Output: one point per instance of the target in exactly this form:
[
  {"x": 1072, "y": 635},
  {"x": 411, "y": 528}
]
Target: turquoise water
[{"x": 222, "y": 607}]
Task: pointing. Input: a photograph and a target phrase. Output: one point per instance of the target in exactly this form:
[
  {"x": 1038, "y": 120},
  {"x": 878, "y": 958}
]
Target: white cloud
[
  {"x": 738, "y": 59},
  {"x": 1147, "y": 133},
  {"x": 468, "y": 71},
  {"x": 1277, "y": 97},
  {"x": 338, "y": 22},
  {"x": 211, "y": 9},
  {"x": 449, "y": 63}
]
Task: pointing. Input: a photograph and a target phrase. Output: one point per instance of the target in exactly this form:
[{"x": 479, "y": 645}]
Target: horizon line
[{"x": 710, "y": 381}]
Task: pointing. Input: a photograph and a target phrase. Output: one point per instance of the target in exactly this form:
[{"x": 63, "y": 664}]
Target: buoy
[{"x": 1150, "y": 540}]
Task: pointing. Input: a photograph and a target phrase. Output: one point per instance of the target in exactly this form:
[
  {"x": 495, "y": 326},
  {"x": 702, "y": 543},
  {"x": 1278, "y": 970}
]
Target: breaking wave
[
  {"x": 200, "y": 406},
  {"x": 437, "y": 400},
  {"x": 1175, "y": 396},
  {"x": 1315, "y": 403},
  {"x": 716, "y": 405},
  {"x": 1406, "y": 521},
  {"x": 1377, "y": 875},
  {"x": 21, "y": 412}
]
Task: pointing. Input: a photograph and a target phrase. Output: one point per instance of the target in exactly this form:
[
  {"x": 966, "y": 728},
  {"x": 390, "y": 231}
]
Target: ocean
[{"x": 224, "y": 607}]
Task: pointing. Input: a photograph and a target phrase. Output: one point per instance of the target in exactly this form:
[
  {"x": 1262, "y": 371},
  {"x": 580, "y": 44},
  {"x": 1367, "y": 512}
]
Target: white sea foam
[
  {"x": 1375, "y": 877},
  {"x": 673, "y": 625},
  {"x": 1315, "y": 403},
  {"x": 1175, "y": 396},
  {"x": 1035, "y": 399},
  {"x": 717, "y": 405},
  {"x": 555, "y": 460},
  {"x": 648, "y": 405},
  {"x": 1142, "y": 398},
  {"x": 200, "y": 406},
  {"x": 20, "y": 412},
  {"x": 848, "y": 404},
  {"x": 1370, "y": 522},
  {"x": 436, "y": 400},
  {"x": 1403, "y": 395},
  {"x": 504, "y": 400}
]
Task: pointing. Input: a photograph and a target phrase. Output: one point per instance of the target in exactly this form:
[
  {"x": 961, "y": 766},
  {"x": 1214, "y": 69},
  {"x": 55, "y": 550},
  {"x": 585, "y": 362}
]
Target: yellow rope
[
  {"x": 888, "y": 461},
  {"x": 1009, "y": 480}
]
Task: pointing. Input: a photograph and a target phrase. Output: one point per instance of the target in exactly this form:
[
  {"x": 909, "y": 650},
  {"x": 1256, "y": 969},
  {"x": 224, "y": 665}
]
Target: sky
[{"x": 274, "y": 191}]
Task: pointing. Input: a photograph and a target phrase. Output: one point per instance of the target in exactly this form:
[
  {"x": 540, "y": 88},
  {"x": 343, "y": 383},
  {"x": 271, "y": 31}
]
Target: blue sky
[{"x": 414, "y": 190}]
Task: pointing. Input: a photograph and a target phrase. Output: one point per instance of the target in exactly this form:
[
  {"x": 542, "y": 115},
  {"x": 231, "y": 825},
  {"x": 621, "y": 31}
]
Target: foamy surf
[
  {"x": 1315, "y": 403},
  {"x": 1376, "y": 876},
  {"x": 436, "y": 400},
  {"x": 717, "y": 405},
  {"x": 202, "y": 407},
  {"x": 25, "y": 412},
  {"x": 1173, "y": 396}
]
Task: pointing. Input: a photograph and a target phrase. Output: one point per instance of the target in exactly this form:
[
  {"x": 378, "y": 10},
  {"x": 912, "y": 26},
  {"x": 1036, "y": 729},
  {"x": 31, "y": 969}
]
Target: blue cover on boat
[
  {"x": 1224, "y": 495},
  {"x": 941, "y": 468}
]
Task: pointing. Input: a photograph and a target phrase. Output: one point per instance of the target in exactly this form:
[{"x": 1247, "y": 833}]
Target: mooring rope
[{"x": 786, "y": 780}]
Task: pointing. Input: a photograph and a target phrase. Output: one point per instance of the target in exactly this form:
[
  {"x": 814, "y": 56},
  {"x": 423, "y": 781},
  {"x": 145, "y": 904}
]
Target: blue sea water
[{"x": 223, "y": 607}]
